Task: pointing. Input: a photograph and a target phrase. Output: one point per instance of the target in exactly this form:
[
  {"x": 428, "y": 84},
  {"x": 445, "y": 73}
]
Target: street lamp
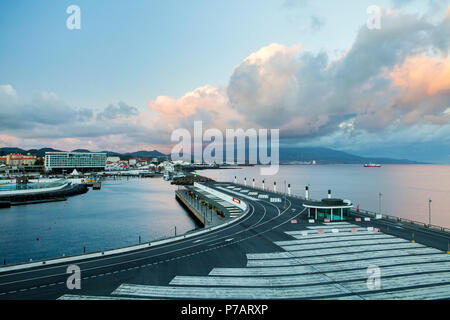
[
  {"x": 429, "y": 212},
  {"x": 379, "y": 202}
]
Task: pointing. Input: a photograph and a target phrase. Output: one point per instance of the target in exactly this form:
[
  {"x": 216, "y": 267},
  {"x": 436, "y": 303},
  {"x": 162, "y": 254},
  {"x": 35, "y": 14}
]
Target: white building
[
  {"x": 67, "y": 161},
  {"x": 113, "y": 159}
]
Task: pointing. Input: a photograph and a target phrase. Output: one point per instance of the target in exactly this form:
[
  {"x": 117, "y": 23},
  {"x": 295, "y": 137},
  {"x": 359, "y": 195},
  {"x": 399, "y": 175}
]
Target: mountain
[
  {"x": 330, "y": 156},
  {"x": 287, "y": 155},
  {"x": 35, "y": 152},
  {"x": 146, "y": 154}
]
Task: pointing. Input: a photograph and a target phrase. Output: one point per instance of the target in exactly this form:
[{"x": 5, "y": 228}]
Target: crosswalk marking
[
  {"x": 339, "y": 226},
  {"x": 338, "y": 244},
  {"x": 305, "y": 239},
  {"x": 342, "y": 233},
  {"x": 267, "y": 261},
  {"x": 427, "y": 293},
  {"x": 227, "y": 293}
]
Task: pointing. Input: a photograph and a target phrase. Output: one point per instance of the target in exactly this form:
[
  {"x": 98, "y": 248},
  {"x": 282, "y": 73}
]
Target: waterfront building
[
  {"x": 17, "y": 159},
  {"x": 328, "y": 209},
  {"x": 113, "y": 159},
  {"x": 67, "y": 161}
]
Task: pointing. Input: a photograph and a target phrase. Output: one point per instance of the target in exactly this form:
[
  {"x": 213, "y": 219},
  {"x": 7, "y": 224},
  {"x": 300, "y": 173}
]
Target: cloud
[
  {"x": 391, "y": 85},
  {"x": 317, "y": 23},
  {"x": 122, "y": 110}
]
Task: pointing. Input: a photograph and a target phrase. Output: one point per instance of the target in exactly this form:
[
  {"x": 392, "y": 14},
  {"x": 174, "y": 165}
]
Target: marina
[{"x": 262, "y": 254}]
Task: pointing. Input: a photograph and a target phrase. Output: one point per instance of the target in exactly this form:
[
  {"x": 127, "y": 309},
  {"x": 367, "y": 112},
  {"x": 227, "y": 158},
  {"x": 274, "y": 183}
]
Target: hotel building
[{"x": 67, "y": 161}]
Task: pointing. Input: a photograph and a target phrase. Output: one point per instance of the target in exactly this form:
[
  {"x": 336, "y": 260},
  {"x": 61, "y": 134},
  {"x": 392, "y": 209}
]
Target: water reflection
[
  {"x": 405, "y": 188},
  {"x": 114, "y": 216}
]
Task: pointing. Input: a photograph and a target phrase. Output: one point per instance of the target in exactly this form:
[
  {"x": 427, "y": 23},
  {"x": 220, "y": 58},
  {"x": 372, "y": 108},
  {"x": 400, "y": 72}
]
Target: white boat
[{"x": 372, "y": 165}]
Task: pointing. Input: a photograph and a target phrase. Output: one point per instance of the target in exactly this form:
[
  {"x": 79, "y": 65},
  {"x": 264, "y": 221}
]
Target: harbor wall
[{"x": 231, "y": 200}]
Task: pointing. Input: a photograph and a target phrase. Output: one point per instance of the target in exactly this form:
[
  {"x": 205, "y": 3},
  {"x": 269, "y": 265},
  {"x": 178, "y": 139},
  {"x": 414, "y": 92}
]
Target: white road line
[
  {"x": 337, "y": 244},
  {"x": 352, "y": 261},
  {"x": 226, "y": 293},
  {"x": 85, "y": 297},
  {"x": 303, "y": 239},
  {"x": 351, "y": 249},
  {"x": 274, "y": 281},
  {"x": 402, "y": 281},
  {"x": 314, "y": 234},
  {"x": 346, "y": 226},
  {"x": 426, "y": 293}
]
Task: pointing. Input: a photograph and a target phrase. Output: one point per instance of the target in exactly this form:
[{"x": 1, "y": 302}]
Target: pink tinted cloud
[{"x": 421, "y": 76}]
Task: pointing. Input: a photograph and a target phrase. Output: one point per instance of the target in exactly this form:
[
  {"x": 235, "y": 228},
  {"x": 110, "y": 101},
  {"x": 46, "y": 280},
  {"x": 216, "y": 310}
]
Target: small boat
[{"x": 372, "y": 165}]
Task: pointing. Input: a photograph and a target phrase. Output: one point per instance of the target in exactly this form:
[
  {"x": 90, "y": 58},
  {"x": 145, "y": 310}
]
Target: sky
[{"x": 137, "y": 70}]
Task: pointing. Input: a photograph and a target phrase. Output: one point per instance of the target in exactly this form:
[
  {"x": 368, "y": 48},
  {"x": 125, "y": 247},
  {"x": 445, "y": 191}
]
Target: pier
[{"x": 272, "y": 250}]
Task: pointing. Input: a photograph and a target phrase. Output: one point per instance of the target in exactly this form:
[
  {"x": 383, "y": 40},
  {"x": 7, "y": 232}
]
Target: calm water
[
  {"x": 124, "y": 209},
  {"x": 112, "y": 217},
  {"x": 405, "y": 188}
]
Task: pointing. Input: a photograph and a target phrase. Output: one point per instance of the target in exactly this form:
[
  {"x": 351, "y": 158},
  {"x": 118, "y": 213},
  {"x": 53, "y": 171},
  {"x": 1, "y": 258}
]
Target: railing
[{"x": 367, "y": 212}]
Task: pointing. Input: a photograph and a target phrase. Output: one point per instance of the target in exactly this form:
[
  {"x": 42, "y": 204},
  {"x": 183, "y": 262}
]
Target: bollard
[
  {"x": 139, "y": 239},
  {"x": 84, "y": 249},
  {"x": 274, "y": 186},
  {"x": 413, "y": 238}
]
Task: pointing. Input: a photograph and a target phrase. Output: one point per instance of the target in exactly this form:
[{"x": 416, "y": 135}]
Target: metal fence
[{"x": 367, "y": 212}]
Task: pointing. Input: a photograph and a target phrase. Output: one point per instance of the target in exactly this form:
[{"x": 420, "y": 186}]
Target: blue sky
[
  {"x": 137, "y": 50},
  {"x": 132, "y": 61}
]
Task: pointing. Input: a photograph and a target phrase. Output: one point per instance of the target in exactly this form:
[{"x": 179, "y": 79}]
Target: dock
[{"x": 269, "y": 251}]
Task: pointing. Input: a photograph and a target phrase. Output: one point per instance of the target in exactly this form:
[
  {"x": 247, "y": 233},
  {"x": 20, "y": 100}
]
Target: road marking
[{"x": 226, "y": 293}]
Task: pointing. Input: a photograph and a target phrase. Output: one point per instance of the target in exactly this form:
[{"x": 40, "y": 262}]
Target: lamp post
[
  {"x": 379, "y": 202},
  {"x": 429, "y": 212}
]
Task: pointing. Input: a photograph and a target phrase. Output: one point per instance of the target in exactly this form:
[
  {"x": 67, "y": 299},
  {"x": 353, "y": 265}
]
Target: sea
[{"x": 128, "y": 208}]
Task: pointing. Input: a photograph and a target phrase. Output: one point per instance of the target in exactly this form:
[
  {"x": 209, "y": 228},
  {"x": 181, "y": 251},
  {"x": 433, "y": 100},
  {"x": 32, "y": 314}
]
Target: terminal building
[
  {"x": 328, "y": 209},
  {"x": 66, "y": 162}
]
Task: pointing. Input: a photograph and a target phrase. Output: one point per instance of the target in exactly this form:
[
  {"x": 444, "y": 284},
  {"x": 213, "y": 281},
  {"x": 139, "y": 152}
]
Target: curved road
[{"x": 227, "y": 247}]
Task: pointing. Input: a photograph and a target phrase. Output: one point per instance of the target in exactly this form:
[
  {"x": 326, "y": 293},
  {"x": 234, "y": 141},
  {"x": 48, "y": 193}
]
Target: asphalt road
[{"x": 265, "y": 223}]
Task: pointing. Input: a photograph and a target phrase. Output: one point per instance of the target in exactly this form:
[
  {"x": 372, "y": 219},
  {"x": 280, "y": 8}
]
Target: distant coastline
[{"x": 288, "y": 156}]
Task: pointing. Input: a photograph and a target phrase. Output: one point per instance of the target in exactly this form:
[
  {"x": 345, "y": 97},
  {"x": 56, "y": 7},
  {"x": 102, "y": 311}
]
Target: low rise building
[
  {"x": 113, "y": 159},
  {"x": 17, "y": 159}
]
